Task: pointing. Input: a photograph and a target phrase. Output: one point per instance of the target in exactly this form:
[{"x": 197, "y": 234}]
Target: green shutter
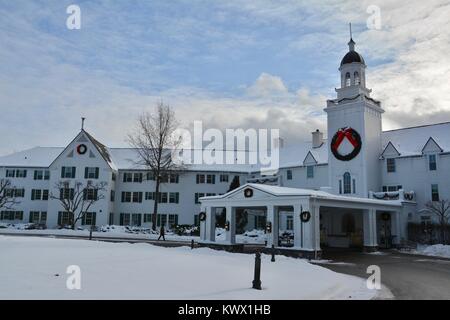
[
  {"x": 73, "y": 172},
  {"x": 62, "y": 172},
  {"x": 97, "y": 171},
  {"x": 86, "y": 169},
  {"x": 59, "y": 217}
]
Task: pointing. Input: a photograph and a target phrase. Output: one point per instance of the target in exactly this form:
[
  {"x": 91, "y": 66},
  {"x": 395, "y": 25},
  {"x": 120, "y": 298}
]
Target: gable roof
[
  {"x": 387, "y": 148},
  {"x": 410, "y": 141},
  {"x": 431, "y": 141}
]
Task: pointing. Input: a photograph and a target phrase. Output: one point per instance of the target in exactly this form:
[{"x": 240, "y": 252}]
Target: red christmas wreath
[{"x": 353, "y": 137}]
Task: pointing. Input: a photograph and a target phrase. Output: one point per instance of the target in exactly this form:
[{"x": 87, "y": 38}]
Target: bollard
[
  {"x": 192, "y": 244},
  {"x": 273, "y": 253},
  {"x": 257, "y": 276}
]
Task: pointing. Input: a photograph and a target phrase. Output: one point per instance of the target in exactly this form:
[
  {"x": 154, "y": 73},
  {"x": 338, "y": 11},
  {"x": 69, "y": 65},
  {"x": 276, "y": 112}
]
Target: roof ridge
[{"x": 419, "y": 126}]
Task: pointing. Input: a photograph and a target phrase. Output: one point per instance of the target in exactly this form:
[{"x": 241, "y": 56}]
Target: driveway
[{"x": 407, "y": 276}]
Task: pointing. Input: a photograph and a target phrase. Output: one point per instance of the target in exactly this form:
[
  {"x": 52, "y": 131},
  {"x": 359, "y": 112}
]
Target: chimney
[{"x": 317, "y": 139}]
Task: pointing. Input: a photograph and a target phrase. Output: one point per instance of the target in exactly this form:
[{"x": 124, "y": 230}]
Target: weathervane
[
  {"x": 82, "y": 122},
  {"x": 350, "y": 25}
]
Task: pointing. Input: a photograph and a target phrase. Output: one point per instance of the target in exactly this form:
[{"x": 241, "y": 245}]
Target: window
[
  {"x": 340, "y": 186},
  {"x": 136, "y": 219},
  {"x": 41, "y": 175},
  {"x": 112, "y": 196},
  {"x": 11, "y": 215},
  {"x": 10, "y": 173},
  {"x": 43, "y": 217},
  {"x": 111, "y": 218},
  {"x": 289, "y": 175},
  {"x": 21, "y": 173},
  {"x": 390, "y": 164},
  {"x": 211, "y": 178},
  {"x": 36, "y": 194},
  {"x": 137, "y": 197},
  {"x": 147, "y": 217},
  {"x": 354, "y": 185},
  {"x": 126, "y": 196},
  {"x": 162, "y": 197},
  {"x": 432, "y": 162},
  {"x": 260, "y": 222},
  {"x": 347, "y": 79},
  {"x": 200, "y": 178},
  {"x": 150, "y": 176},
  {"x": 289, "y": 222},
  {"x": 91, "y": 172},
  {"x": 310, "y": 172},
  {"x": 45, "y": 194},
  {"x": 113, "y": 176},
  {"x": 88, "y": 219},
  {"x": 137, "y": 177},
  {"x": 127, "y": 177},
  {"x": 173, "y": 178},
  {"x": 19, "y": 193},
  {"x": 357, "y": 79},
  {"x": 66, "y": 193},
  {"x": 391, "y": 188},
  {"x": 347, "y": 183},
  {"x": 149, "y": 196},
  {"x": 34, "y": 217},
  {"x": 90, "y": 194},
  {"x": 38, "y": 174},
  {"x": 223, "y": 178},
  {"x": 68, "y": 172},
  {"x": 197, "y": 196},
  {"x": 161, "y": 220},
  {"x": 173, "y": 220},
  {"x": 174, "y": 197},
  {"x": 434, "y": 192},
  {"x": 124, "y": 219},
  {"x": 65, "y": 218}
]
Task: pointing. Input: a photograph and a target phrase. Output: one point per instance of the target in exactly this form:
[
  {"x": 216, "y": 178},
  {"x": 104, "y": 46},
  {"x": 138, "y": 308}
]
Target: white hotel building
[{"x": 405, "y": 167}]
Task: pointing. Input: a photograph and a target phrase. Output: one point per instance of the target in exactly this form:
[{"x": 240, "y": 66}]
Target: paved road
[{"x": 407, "y": 276}]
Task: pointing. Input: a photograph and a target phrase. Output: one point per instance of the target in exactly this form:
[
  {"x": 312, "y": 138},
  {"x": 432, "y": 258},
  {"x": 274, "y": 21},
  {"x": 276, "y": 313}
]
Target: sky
[{"x": 231, "y": 64}]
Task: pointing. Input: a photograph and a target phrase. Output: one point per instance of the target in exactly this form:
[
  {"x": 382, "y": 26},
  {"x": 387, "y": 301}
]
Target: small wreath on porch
[
  {"x": 248, "y": 193},
  {"x": 81, "y": 149},
  {"x": 305, "y": 216},
  {"x": 202, "y": 216}
]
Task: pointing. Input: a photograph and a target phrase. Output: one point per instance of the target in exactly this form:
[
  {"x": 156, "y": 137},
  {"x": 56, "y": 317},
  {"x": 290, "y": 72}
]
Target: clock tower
[{"x": 354, "y": 131}]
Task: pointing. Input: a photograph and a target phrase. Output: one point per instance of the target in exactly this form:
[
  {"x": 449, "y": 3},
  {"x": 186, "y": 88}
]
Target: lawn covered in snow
[
  {"x": 35, "y": 268},
  {"x": 137, "y": 233},
  {"x": 436, "y": 250}
]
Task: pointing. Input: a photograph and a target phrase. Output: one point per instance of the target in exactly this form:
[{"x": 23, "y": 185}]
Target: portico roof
[{"x": 268, "y": 193}]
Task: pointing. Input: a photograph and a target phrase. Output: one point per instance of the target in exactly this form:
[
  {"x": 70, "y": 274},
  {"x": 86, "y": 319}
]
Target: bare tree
[
  {"x": 7, "y": 195},
  {"x": 78, "y": 198},
  {"x": 155, "y": 142},
  {"x": 440, "y": 209}
]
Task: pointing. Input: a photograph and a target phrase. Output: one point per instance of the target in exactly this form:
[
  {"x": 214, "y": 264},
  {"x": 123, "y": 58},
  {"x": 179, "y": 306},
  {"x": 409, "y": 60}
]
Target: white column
[
  {"x": 396, "y": 227},
  {"x": 297, "y": 226},
  {"x": 203, "y": 226},
  {"x": 210, "y": 224},
  {"x": 231, "y": 218},
  {"x": 370, "y": 228},
  {"x": 272, "y": 217},
  {"x": 315, "y": 219}
]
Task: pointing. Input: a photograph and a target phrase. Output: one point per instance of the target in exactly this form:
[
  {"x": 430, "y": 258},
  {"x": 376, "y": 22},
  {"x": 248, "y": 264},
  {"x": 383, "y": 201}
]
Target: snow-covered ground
[
  {"x": 436, "y": 250},
  {"x": 35, "y": 268},
  {"x": 254, "y": 236}
]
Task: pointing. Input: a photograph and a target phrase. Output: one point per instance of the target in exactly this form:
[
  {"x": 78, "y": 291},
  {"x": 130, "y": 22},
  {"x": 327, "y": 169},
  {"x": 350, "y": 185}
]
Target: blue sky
[{"x": 229, "y": 63}]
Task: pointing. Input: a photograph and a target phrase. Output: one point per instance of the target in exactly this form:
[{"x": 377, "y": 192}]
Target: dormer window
[{"x": 432, "y": 162}]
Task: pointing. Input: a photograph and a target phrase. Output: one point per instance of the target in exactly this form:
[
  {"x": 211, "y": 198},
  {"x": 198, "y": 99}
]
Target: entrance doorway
[{"x": 341, "y": 228}]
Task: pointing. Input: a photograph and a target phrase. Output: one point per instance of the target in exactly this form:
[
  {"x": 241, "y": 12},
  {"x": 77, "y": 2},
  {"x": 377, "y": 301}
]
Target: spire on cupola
[{"x": 351, "y": 43}]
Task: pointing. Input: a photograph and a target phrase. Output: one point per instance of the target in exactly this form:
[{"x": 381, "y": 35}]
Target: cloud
[{"x": 267, "y": 84}]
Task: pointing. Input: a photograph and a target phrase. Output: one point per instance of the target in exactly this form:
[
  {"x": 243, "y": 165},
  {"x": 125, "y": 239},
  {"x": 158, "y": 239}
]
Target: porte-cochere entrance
[{"x": 319, "y": 219}]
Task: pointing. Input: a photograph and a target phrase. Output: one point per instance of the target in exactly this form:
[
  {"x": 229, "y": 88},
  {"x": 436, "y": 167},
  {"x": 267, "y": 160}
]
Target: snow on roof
[
  {"x": 34, "y": 157},
  {"x": 410, "y": 141},
  {"x": 287, "y": 191}
]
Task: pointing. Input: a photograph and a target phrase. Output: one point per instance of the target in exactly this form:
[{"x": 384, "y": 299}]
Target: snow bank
[
  {"x": 437, "y": 250},
  {"x": 35, "y": 268}
]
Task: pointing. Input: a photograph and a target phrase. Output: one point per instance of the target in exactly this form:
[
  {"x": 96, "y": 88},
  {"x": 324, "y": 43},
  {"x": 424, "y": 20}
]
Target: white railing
[{"x": 393, "y": 195}]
